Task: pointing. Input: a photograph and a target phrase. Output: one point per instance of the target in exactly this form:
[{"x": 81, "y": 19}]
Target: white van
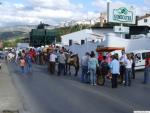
[{"x": 140, "y": 56}]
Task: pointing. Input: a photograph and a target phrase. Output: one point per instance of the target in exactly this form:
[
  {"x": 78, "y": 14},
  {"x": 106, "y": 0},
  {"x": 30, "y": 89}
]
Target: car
[{"x": 140, "y": 56}]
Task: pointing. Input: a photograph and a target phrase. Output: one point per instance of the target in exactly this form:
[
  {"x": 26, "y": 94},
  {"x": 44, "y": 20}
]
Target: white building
[
  {"x": 144, "y": 20},
  {"x": 80, "y": 37}
]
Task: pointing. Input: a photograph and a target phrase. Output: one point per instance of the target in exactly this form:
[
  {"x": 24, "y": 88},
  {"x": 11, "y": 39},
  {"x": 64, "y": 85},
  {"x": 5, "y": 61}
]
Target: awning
[{"x": 109, "y": 49}]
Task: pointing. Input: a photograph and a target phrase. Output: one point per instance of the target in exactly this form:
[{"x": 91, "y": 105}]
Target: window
[
  {"x": 145, "y": 20},
  {"x": 138, "y": 56},
  {"x": 144, "y": 55}
]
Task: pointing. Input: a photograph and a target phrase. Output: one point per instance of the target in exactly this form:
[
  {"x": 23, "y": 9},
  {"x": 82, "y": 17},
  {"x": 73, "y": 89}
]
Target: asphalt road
[{"x": 45, "y": 93}]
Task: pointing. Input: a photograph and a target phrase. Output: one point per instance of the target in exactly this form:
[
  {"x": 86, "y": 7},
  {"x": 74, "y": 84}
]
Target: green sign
[
  {"x": 123, "y": 15},
  {"x": 120, "y": 13}
]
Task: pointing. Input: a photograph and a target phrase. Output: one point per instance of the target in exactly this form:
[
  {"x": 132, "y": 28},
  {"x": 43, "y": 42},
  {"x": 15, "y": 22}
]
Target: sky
[{"x": 56, "y": 12}]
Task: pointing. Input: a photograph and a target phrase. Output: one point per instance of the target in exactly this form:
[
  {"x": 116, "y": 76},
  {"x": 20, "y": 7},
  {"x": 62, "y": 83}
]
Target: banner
[{"x": 120, "y": 14}]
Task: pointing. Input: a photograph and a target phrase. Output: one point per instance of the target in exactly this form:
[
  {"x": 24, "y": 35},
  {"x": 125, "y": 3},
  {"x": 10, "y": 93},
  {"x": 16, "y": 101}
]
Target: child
[{"x": 22, "y": 64}]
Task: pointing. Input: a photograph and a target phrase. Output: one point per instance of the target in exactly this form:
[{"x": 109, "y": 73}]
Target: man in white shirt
[
  {"x": 122, "y": 65},
  {"x": 128, "y": 65},
  {"x": 52, "y": 60}
]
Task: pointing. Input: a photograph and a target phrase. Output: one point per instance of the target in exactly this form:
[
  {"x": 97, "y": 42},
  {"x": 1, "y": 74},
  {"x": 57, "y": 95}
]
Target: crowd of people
[
  {"x": 113, "y": 67},
  {"x": 107, "y": 65}
]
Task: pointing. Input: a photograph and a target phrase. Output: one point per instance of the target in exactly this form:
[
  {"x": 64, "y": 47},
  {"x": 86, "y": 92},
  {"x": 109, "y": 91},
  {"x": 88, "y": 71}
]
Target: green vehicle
[{"x": 41, "y": 36}]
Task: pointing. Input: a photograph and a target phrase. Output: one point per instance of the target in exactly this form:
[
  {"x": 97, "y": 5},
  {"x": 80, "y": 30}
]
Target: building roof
[{"x": 143, "y": 17}]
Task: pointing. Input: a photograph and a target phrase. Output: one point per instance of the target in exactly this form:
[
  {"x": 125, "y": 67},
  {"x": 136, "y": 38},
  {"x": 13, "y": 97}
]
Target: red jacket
[{"x": 100, "y": 57}]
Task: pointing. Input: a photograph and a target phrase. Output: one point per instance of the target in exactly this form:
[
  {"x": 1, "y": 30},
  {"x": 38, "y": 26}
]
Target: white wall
[
  {"x": 112, "y": 40},
  {"x": 82, "y": 49},
  {"x": 76, "y": 37},
  {"x": 142, "y": 23},
  {"x": 86, "y": 35}
]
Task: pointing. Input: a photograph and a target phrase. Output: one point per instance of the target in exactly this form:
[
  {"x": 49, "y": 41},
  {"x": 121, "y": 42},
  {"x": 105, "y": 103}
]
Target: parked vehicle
[{"x": 140, "y": 56}]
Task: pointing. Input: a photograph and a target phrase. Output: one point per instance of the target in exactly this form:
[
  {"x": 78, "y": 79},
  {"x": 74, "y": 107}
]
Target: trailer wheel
[{"x": 100, "y": 80}]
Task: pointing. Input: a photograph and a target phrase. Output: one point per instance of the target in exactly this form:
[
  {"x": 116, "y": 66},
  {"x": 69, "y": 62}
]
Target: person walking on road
[
  {"x": 22, "y": 64},
  {"x": 29, "y": 63},
  {"x": 115, "y": 70},
  {"x": 147, "y": 69}
]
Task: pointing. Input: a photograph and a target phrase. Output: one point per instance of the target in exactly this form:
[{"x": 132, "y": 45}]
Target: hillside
[{"x": 12, "y": 34}]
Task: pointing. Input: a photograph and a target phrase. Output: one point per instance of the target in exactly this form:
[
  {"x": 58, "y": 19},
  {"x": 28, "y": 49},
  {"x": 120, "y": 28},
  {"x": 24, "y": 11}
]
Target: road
[{"x": 44, "y": 93}]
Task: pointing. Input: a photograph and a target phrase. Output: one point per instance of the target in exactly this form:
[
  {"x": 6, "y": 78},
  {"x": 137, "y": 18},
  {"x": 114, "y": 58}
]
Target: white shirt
[
  {"x": 128, "y": 63},
  {"x": 123, "y": 58},
  {"x": 52, "y": 57}
]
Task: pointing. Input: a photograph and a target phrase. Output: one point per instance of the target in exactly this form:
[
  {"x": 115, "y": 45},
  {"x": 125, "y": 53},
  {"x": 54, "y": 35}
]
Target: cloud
[
  {"x": 53, "y": 4},
  {"x": 101, "y": 4},
  {"x": 47, "y": 11},
  {"x": 39, "y": 10},
  {"x": 139, "y": 10},
  {"x": 147, "y": 2}
]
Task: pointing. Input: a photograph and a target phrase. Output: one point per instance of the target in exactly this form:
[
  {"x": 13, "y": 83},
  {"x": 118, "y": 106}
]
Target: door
[{"x": 139, "y": 62}]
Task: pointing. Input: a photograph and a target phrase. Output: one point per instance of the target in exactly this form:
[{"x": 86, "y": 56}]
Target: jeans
[
  {"x": 84, "y": 76},
  {"x": 29, "y": 67},
  {"x": 128, "y": 76},
  {"x": 133, "y": 70},
  {"x": 92, "y": 76},
  {"x": 52, "y": 67},
  {"x": 114, "y": 83},
  {"x": 22, "y": 69},
  {"x": 61, "y": 67},
  {"x": 146, "y": 74},
  {"x": 122, "y": 72}
]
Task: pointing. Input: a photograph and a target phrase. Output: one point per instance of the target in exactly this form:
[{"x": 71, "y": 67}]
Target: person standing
[
  {"x": 104, "y": 68},
  {"x": 22, "y": 64},
  {"x": 52, "y": 60},
  {"x": 122, "y": 65},
  {"x": 115, "y": 70},
  {"x": 147, "y": 69},
  {"x": 128, "y": 72},
  {"x": 100, "y": 58},
  {"x": 29, "y": 63},
  {"x": 92, "y": 66},
  {"x": 61, "y": 62},
  {"x": 84, "y": 65},
  {"x": 133, "y": 65}
]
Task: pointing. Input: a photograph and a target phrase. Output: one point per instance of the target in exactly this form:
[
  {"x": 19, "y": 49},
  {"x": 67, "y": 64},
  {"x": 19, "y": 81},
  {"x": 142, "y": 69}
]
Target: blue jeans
[
  {"x": 146, "y": 74},
  {"x": 92, "y": 76},
  {"x": 61, "y": 67},
  {"x": 128, "y": 76},
  {"x": 22, "y": 69},
  {"x": 29, "y": 67},
  {"x": 84, "y": 76}
]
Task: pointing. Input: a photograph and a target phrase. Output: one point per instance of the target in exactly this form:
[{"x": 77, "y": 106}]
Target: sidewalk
[{"x": 9, "y": 99}]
